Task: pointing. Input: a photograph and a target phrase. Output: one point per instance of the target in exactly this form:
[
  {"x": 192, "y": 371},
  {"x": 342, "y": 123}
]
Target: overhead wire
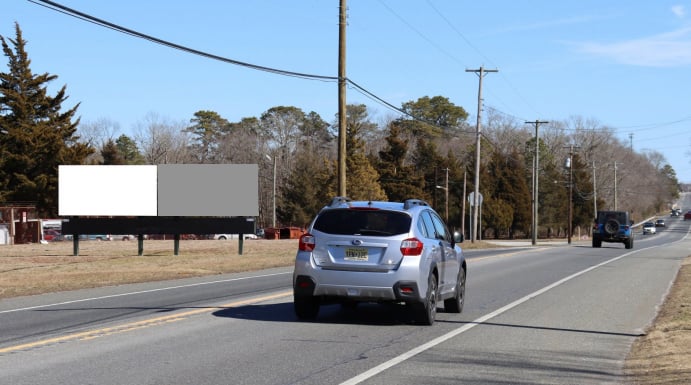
[
  {"x": 86, "y": 17},
  {"x": 471, "y": 45},
  {"x": 118, "y": 28}
]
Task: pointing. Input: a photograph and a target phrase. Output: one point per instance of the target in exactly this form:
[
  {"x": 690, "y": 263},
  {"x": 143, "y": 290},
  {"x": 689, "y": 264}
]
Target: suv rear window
[{"x": 363, "y": 222}]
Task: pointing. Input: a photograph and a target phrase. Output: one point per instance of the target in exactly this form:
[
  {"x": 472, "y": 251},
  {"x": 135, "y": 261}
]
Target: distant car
[
  {"x": 223, "y": 237},
  {"x": 660, "y": 223},
  {"x": 613, "y": 226},
  {"x": 122, "y": 237},
  {"x": 52, "y": 235},
  {"x": 649, "y": 228},
  {"x": 687, "y": 215},
  {"x": 89, "y": 237}
]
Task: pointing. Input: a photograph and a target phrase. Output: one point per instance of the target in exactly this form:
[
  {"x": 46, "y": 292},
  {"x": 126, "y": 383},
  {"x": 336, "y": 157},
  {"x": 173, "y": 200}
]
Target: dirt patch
[{"x": 663, "y": 355}]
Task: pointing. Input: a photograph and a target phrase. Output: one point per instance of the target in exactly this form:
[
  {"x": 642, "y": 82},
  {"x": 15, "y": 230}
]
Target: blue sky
[{"x": 622, "y": 63}]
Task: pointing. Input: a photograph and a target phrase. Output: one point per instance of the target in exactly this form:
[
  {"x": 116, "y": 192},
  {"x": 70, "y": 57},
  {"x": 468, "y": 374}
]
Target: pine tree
[
  {"x": 399, "y": 181},
  {"x": 128, "y": 150},
  {"x": 206, "y": 129},
  {"x": 36, "y": 135},
  {"x": 111, "y": 155},
  {"x": 362, "y": 180}
]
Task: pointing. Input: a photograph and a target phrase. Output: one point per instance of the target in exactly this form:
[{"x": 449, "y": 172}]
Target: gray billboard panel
[{"x": 208, "y": 190}]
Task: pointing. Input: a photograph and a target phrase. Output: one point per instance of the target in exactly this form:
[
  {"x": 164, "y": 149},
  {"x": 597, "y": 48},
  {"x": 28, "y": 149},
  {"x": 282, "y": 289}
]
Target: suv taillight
[
  {"x": 306, "y": 242},
  {"x": 411, "y": 246}
]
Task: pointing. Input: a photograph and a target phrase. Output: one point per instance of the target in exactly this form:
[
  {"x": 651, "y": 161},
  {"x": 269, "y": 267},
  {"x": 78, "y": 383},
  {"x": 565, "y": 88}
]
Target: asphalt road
[{"x": 561, "y": 314}]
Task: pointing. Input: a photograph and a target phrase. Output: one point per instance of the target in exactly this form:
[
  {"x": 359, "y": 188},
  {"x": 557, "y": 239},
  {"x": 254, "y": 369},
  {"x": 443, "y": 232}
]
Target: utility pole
[
  {"x": 463, "y": 209},
  {"x": 446, "y": 201},
  {"x": 476, "y": 197},
  {"x": 569, "y": 164},
  {"x": 594, "y": 193},
  {"x": 631, "y": 141},
  {"x": 446, "y": 191},
  {"x": 536, "y": 171},
  {"x": 615, "y": 186},
  {"x": 342, "y": 99}
]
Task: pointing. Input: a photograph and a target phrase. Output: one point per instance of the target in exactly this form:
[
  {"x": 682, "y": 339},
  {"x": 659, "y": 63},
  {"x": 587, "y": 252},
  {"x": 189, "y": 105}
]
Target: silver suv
[{"x": 364, "y": 251}]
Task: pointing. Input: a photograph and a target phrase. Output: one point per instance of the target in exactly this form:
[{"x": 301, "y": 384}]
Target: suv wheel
[
  {"x": 455, "y": 304},
  {"x": 597, "y": 242},
  {"x": 629, "y": 243},
  {"x": 306, "y": 308},
  {"x": 426, "y": 311}
]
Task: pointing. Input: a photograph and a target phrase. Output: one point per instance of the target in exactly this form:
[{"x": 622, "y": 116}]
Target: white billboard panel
[{"x": 105, "y": 190}]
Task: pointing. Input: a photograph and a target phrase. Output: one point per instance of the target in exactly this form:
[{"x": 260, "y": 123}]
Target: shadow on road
[{"x": 360, "y": 314}]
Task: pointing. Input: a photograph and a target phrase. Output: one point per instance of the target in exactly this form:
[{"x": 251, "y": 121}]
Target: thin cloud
[
  {"x": 672, "y": 49},
  {"x": 679, "y": 11},
  {"x": 548, "y": 24}
]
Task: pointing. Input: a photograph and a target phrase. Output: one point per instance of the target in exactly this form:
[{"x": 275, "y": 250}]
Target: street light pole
[
  {"x": 273, "y": 221},
  {"x": 446, "y": 203},
  {"x": 446, "y": 193}
]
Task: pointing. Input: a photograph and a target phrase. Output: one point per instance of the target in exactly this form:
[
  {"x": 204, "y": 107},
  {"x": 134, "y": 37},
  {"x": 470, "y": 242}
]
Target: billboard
[
  {"x": 163, "y": 190},
  {"x": 208, "y": 190},
  {"x": 107, "y": 190}
]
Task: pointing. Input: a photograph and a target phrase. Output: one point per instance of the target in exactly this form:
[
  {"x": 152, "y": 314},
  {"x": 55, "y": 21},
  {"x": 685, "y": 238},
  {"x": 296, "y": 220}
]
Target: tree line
[{"x": 428, "y": 153}]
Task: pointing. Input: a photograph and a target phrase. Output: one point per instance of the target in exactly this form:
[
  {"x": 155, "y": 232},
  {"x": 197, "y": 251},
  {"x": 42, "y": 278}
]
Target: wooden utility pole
[
  {"x": 463, "y": 207},
  {"x": 342, "y": 99},
  {"x": 476, "y": 196},
  {"x": 570, "y": 166},
  {"x": 615, "y": 186},
  {"x": 536, "y": 173},
  {"x": 594, "y": 193}
]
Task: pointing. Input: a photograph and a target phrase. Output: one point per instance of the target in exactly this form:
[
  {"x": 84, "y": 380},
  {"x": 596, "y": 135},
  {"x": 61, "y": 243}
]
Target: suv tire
[
  {"x": 611, "y": 227},
  {"x": 597, "y": 242},
  {"x": 455, "y": 303},
  {"x": 629, "y": 243},
  {"x": 426, "y": 311},
  {"x": 306, "y": 307}
]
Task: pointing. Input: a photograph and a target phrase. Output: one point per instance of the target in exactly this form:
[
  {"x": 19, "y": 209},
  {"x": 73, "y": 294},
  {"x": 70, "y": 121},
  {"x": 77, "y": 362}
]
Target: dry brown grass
[
  {"x": 663, "y": 355},
  {"x": 41, "y": 268}
]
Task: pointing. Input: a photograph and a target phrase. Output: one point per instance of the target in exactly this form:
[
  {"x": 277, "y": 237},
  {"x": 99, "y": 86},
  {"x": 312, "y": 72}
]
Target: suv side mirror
[{"x": 457, "y": 237}]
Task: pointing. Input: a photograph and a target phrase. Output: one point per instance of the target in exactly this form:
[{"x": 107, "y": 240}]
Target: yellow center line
[{"x": 91, "y": 334}]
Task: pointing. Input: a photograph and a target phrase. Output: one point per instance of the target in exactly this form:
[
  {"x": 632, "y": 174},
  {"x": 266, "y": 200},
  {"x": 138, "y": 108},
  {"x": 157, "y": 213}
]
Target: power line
[
  {"x": 86, "y": 17},
  {"x": 104, "y": 23}
]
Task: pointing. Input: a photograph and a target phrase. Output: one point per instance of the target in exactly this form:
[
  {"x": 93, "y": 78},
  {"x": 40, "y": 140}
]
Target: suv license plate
[{"x": 356, "y": 254}]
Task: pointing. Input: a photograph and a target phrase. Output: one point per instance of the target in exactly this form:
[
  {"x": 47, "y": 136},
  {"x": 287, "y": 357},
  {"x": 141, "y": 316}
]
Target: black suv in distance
[
  {"x": 613, "y": 226},
  {"x": 375, "y": 251}
]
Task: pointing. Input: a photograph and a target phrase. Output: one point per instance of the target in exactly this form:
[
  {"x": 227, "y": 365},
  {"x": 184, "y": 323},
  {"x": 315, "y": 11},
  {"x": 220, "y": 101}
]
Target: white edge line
[
  {"x": 405, "y": 356},
  {"x": 140, "y": 292}
]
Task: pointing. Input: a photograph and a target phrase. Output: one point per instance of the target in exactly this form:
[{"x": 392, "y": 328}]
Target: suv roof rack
[
  {"x": 338, "y": 201},
  {"x": 413, "y": 202}
]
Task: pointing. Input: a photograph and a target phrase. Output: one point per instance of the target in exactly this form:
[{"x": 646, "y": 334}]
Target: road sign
[{"x": 471, "y": 198}]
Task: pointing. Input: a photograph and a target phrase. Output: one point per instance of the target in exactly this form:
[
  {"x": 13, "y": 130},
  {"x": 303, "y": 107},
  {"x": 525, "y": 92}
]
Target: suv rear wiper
[{"x": 372, "y": 232}]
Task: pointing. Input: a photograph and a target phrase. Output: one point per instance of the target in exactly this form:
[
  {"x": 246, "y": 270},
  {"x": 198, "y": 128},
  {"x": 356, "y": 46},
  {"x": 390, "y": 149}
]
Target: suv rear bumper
[
  {"x": 613, "y": 238},
  {"x": 403, "y": 291}
]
